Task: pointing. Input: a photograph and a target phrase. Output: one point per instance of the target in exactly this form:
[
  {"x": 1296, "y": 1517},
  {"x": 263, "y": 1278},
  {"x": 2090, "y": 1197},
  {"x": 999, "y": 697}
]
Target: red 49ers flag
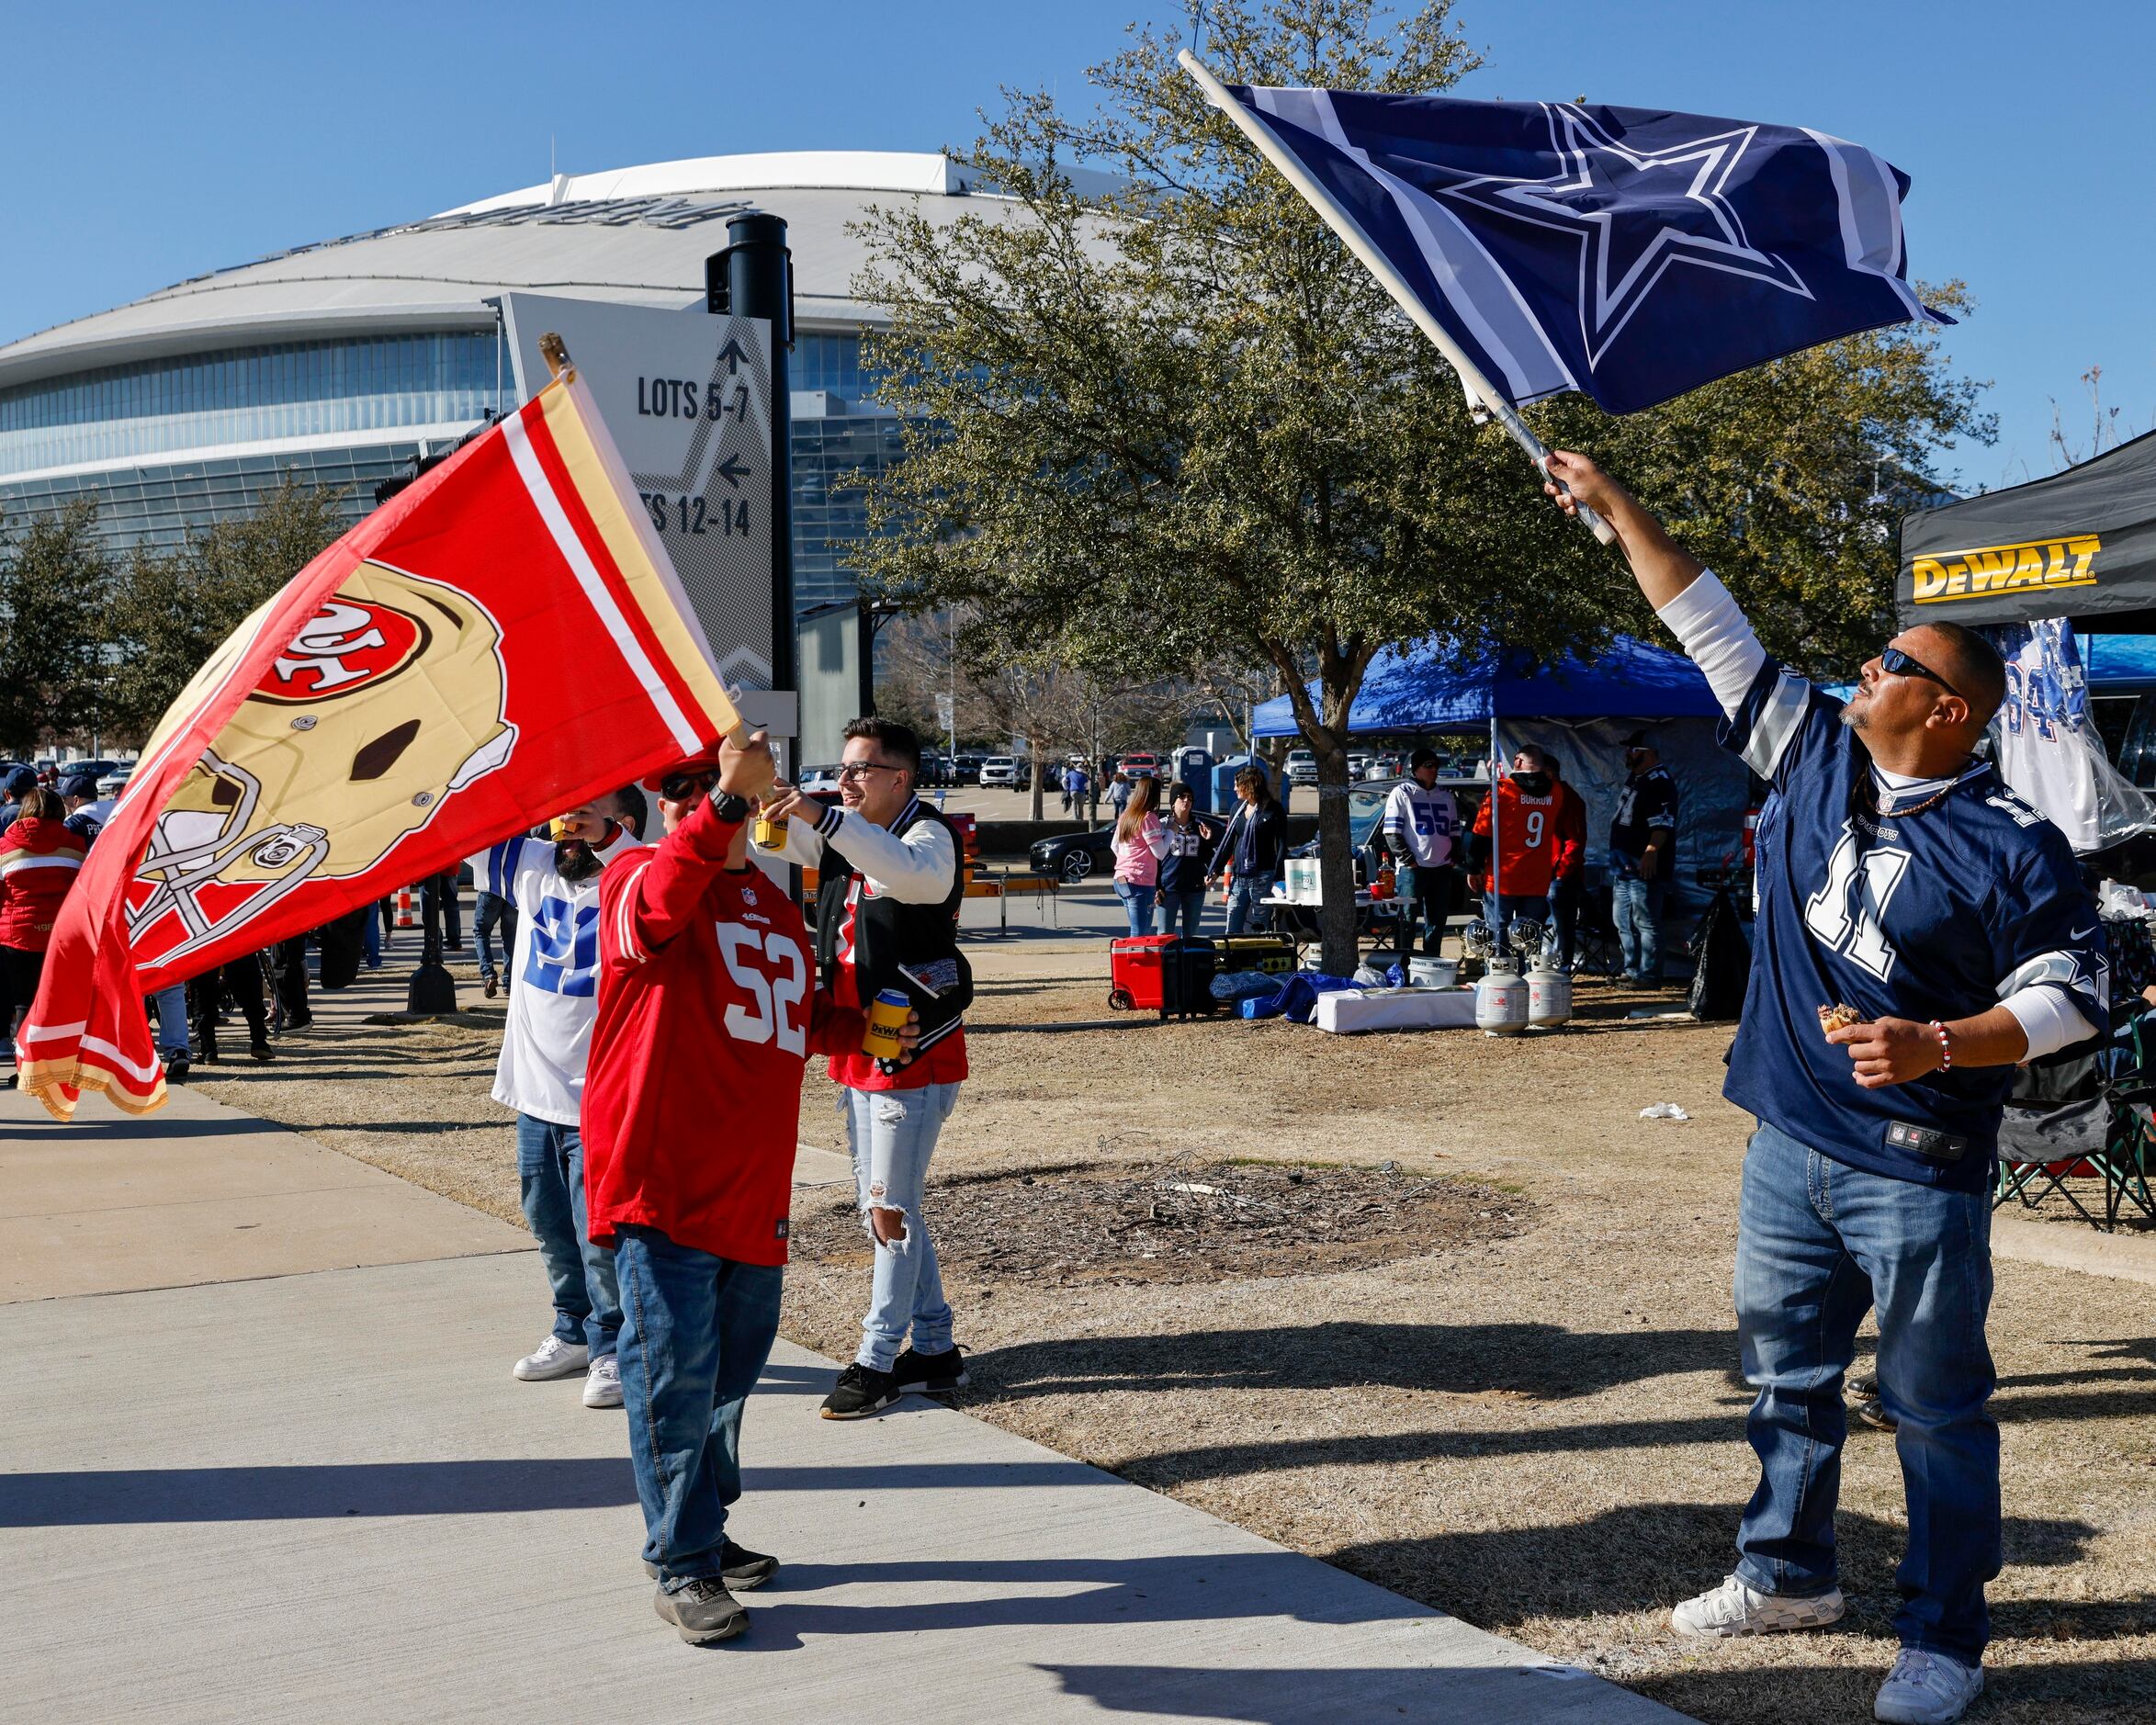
[{"x": 504, "y": 640}]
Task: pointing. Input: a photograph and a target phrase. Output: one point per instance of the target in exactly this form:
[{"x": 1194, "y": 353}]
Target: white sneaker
[
  {"x": 602, "y": 1387},
  {"x": 1928, "y": 1688},
  {"x": 553, "y": 1359},
  {"x": 1734, "y": 1608}
]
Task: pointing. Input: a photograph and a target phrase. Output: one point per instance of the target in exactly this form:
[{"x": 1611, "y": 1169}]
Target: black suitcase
[{"x": 1187, "y": 969}]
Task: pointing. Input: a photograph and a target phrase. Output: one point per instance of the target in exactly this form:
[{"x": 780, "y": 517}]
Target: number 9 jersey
[
  {"x": 707, "y": 1014},
  {"x": 1914, "y": 900}
]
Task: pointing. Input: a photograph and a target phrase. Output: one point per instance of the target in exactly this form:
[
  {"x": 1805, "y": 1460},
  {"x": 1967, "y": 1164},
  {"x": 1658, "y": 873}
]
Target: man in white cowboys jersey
[
  {"x": 554, "y": 968},
  {"x": 1904, "y": 881}
]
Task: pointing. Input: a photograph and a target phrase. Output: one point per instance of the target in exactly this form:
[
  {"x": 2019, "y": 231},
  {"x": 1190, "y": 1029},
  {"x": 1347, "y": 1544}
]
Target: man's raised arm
[{"x": 1692, "y": 604}]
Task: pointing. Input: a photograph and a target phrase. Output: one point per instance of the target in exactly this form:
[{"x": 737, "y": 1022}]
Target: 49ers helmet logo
[{"x": 349, "y": 644}]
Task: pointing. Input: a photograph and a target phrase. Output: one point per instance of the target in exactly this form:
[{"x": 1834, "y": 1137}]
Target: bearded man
[{"x": 554, "y": 884}]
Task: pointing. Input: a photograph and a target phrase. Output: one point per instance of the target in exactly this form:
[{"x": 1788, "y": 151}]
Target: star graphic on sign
[{"x": 1634, "y": 213}]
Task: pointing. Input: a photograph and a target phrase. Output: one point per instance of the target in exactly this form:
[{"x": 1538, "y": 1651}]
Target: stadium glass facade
[{"x": 113, "y": 435}]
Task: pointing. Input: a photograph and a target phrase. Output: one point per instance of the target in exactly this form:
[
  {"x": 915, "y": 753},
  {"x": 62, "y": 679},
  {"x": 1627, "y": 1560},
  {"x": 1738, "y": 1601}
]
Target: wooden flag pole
[{"x": 1341, "y": 222}]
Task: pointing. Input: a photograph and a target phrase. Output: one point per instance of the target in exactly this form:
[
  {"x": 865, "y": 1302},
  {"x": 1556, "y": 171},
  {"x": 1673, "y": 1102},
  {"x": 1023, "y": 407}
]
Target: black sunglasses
[
  {"x": 678, "y": 787},
  {"x": 1894, "y": 659}
]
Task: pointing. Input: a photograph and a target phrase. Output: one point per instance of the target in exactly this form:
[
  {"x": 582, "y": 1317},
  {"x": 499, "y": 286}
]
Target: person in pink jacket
[{"x": 1139, "y": 842}]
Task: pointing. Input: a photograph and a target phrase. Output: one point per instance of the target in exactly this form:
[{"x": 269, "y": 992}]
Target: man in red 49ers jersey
[
  {"x": 708, "y": 1010},
  {"x": 1529, "y": 805}
]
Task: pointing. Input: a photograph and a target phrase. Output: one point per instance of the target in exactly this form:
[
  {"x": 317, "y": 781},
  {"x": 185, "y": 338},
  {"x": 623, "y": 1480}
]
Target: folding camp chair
[{"x": 2092, "y": 1117}]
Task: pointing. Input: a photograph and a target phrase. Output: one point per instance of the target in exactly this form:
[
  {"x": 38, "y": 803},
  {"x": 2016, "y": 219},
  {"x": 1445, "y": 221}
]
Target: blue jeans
[
  {"x": 1138, "y": 905},
  {"x": 1636, "y": 907},
  {"x": 1189, "y": 906},
  {"x": 172, "y": 1021},
  {"x": 1818, "y": 1242},
  {"x": 695, "y": 1333},
  {"x": 892, "y": 1134},
  {"x": 550, "y": 1176},
  {"x": 1243, "y": 903},
  {"x": 491, "y": 911},
  {"x": 1426, "y": 900},
  {"x": 370, "y": 939}
]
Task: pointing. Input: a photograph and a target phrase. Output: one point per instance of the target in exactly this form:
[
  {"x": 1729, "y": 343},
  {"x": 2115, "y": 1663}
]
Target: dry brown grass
[{"x": 1543, "y": 1433}]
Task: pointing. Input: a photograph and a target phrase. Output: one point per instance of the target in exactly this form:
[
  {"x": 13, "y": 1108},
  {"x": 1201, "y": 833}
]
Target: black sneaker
[
  {"x": 862, "y": 1390},
  {"x": 176, "y": 1069},
  {"x": 928, "y": 1374},
  {"x": 260, "y": 1050},
  {"x": 739, "y": 1567},
  {"x": 701, "y": 1611},
  {"x": 490, "y": 984}
]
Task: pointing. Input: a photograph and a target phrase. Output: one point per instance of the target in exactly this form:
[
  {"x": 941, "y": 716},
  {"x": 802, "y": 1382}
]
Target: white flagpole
[{"x": 1351, "y": 235}]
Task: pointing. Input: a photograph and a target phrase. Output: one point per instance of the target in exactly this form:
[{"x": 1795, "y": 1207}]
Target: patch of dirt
[{"x": 1179, "y": 1222}]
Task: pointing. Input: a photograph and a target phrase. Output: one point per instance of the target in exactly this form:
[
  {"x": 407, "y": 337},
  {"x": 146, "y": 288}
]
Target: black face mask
[
  {"x": 575, "y": 861},
  {"x": 1532, "y": 784}
]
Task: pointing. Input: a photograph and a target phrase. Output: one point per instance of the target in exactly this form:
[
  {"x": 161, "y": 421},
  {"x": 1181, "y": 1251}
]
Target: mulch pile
[{"x": 1176, "y": 1222}]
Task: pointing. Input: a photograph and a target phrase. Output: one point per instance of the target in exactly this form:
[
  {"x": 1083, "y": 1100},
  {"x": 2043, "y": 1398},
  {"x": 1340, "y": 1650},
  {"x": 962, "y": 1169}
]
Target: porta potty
[{"x": 1194, "y": 768}]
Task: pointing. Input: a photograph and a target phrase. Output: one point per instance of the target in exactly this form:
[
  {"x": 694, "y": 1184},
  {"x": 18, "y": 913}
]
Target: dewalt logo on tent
[{"x": 2068, "y": 561}]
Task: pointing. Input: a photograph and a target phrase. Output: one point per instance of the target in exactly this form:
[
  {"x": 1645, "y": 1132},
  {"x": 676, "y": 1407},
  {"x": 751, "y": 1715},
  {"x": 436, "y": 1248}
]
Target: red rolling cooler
[{"x": 1160, "y": 973}]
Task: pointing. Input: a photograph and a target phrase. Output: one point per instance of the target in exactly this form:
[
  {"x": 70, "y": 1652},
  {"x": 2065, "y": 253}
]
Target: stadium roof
[{"x": 639, "y": 236}]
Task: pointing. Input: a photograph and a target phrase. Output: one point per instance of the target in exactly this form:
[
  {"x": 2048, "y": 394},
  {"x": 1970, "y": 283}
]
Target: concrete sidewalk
[{"x": 323, "y": 1496}]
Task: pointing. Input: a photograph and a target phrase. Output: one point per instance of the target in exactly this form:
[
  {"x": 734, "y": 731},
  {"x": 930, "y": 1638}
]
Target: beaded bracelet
[{"x": 1946, "y": 1045}]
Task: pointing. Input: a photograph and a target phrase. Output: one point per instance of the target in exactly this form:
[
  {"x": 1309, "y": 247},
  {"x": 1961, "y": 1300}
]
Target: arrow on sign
[
  {"x": 735, "y": 355},
  {"x": 732, "y": 471}
]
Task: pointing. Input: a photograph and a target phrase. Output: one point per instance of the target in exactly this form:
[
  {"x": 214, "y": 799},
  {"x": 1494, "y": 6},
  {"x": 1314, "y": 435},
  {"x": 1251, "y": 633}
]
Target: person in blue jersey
[{"x": 1920, "y": 931}]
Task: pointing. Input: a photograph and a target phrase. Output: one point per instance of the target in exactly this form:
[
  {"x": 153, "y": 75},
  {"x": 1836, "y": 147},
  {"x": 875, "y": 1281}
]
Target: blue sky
[{"x": 147, "y": 144}]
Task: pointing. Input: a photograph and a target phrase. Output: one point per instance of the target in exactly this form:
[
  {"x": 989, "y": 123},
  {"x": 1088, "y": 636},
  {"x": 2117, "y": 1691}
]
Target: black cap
[
  {"x": 1421, "y": 758},
  {"x": 1639, "y": 740},
  {"x": 82, "y": 784}
]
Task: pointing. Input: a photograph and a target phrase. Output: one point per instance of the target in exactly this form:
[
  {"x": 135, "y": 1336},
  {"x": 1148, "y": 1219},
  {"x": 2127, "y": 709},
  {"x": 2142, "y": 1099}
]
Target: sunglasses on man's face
[
  {"x": 680, "y": 787},
  {"x": 1894, "y": 659}
]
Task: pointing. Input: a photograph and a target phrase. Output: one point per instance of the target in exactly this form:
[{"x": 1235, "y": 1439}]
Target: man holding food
[{"x": 1920, "y": 931}]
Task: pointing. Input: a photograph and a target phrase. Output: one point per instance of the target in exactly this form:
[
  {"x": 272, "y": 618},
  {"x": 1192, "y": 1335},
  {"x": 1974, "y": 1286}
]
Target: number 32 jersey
[
  {"x": 1938, "y": 914},
  {"x": 708, "y": 1011}
]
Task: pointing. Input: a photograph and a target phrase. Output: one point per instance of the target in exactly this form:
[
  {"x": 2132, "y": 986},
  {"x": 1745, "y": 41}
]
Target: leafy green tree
[
  {"x": 171, "y": 610},
  {"x": 54, "y": 577},
  {"x": 1178, "y": 423}
]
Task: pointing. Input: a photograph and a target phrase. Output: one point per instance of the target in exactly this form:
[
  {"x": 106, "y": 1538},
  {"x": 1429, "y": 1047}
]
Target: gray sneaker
[
  {"x": 739, "y": 1567},
  {"x": 1927, "y": 1689},
  {"x": 1734, "y": 1608},
  {"x": 702, "y": 1611}
]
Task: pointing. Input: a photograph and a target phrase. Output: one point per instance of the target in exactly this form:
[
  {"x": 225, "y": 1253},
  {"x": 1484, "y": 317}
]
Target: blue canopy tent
[
  {"x": 1578, "y": 709},
  {"x": 1427, "y": 687}
]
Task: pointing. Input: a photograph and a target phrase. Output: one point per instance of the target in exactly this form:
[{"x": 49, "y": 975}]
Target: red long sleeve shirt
[
  {"x": 708, "y": 1011},
  {"x": 38, "y": 860}
]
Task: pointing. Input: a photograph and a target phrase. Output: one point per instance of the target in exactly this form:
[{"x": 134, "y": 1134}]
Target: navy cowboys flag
[{"x": 1625, "y": 253}]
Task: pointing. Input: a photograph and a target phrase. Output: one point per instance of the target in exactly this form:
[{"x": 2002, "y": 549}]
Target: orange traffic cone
[{"x": 405, "y": 919}]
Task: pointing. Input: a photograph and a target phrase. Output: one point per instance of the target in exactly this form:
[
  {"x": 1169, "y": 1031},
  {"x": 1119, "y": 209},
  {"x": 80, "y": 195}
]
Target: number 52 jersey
[
  {"x": 708, "y": 1011},
  {"x": 1931, "y": 901}
]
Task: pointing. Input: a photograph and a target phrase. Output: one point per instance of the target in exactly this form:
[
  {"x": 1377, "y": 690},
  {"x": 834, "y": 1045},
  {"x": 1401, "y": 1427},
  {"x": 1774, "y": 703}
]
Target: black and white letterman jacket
[{"x": 906, "y": 886}]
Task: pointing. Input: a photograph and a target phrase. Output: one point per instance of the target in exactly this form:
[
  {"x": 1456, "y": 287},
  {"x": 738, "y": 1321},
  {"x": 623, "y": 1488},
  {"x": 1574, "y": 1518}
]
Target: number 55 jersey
[
  {"x": 707, "y": 1014},
  {"x": 1937, "y": 899}
]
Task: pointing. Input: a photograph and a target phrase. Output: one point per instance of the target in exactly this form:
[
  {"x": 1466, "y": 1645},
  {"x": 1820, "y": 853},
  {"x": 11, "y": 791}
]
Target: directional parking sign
[{"x": 687, "y": 398}]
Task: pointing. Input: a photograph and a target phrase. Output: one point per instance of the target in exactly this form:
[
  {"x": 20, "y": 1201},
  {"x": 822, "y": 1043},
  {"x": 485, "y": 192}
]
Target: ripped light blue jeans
[{"x": 892, "y": 1134}]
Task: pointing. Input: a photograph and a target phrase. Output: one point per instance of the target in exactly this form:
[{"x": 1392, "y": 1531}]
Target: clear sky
[{"x": 146, "y": 143}]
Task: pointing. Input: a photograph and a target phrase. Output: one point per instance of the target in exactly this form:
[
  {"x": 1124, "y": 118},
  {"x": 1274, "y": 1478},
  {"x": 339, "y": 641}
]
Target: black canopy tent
[{"x": 2081, "y": 544}]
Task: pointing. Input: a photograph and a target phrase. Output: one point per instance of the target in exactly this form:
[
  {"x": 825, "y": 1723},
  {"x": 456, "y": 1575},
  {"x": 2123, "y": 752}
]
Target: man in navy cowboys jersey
[{"x": 1904, "y": 881}]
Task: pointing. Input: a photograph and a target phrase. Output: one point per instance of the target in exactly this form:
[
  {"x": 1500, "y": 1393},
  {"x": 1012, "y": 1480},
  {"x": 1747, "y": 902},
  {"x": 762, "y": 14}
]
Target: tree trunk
[
  {"x": 1336, "y": 865},
  {"x": 1039, "y": 763}
]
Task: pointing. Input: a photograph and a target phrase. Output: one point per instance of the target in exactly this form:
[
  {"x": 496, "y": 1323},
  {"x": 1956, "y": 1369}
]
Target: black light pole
[{"x": 753, "y": 277}]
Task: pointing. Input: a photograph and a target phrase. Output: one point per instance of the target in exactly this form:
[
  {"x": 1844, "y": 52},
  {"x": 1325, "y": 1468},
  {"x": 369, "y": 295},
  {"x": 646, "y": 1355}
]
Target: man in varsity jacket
[
  {"x": 1903, "y": 882},
  {"x": 886, "y": 917},
  {"x": 707, "y": 1014}
]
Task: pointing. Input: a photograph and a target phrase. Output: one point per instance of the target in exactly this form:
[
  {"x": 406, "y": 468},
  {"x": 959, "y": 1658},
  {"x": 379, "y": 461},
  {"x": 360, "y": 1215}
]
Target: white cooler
[{"x": 1349, "y": 1010}]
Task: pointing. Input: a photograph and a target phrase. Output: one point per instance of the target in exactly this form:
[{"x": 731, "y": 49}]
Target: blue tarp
[
  {"x": 2117, "y": 660},
  {"x": 1427, "y": 688}
]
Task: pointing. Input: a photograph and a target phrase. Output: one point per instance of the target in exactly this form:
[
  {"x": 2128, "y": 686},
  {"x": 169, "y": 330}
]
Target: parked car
[
  {"x": 1149, "y": 766},
  {"x": 1075, "y": 856},
  {"x": 1302, "y": 767},
  {"x": 967, "y": 768},
  {"x": 1007, "y": 771},
  {"x": 818, "y": 778},
  {"x": 112, "y": 783}
]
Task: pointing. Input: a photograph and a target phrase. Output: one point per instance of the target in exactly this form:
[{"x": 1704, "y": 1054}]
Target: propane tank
[
  {"x": 1548, "y": 995},
  {"x": 1500, "y": 999}
]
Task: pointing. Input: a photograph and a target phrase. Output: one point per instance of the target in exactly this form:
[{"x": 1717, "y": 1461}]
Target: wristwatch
[{"x": 727, "y": 807}]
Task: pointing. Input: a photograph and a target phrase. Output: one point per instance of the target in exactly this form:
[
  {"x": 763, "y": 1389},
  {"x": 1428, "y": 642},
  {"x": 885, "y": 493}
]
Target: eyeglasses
[
  {"x": 1894, "y": 659},
  {"x": 678, "y": 787},
  {"x": 853, "y": 771}
]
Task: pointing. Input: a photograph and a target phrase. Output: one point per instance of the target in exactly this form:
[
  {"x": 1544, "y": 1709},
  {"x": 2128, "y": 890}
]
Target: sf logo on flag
[
  {"x": 333, "y": 758},
  {"x": 1634, "y": 214}
]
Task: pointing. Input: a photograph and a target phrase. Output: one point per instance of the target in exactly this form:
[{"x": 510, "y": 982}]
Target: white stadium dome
[{"x": 343, "y": 361}]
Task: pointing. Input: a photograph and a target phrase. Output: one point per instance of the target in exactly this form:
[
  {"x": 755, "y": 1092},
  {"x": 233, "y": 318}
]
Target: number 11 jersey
[{"x": 1930, "y": 901}]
